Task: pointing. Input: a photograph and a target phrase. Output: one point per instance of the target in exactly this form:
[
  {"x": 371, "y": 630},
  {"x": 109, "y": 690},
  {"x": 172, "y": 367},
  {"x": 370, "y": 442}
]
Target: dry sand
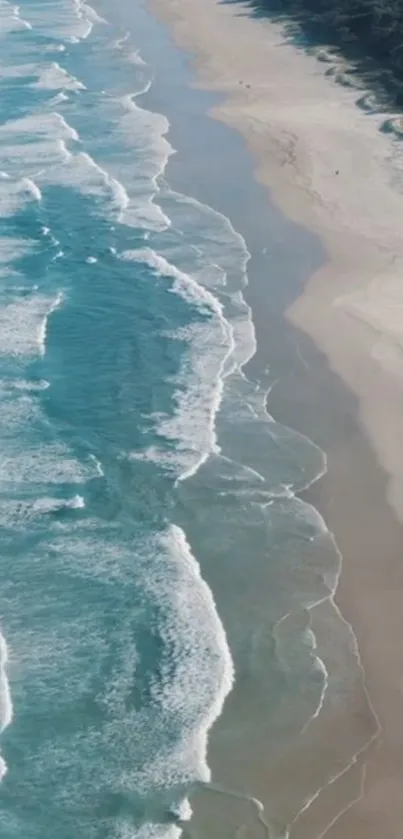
[{"x": 330, "y": 168}]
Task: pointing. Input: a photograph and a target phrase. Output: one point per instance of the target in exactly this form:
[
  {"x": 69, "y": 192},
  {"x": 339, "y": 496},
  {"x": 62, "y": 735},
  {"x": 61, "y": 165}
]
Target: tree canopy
[{"x": 367, "y": 30}]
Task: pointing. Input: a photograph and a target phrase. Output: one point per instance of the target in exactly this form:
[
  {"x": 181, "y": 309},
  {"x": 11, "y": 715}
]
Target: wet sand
[{"x": 329, "y": 168}]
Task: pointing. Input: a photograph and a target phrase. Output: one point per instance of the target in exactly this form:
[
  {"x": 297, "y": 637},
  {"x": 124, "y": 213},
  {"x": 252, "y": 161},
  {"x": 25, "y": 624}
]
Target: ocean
[{"x": 153, "y": 549}]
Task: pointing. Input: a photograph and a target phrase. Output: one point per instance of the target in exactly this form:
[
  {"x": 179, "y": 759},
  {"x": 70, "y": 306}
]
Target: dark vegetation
[{"x": 367, "y": 32}]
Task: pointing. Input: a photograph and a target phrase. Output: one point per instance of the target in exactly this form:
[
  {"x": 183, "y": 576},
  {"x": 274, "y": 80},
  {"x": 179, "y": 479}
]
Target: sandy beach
[{"x": 329, "y": 168}]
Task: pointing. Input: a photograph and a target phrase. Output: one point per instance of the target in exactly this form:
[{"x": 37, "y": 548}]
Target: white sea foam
[
  {"x": 54, "y": 48},
  {"x": 11, "y": 250},
  {"x": 43, "y": 126},
  {"x": 23, "y": 325},
  {"x": 200, "y": 381},
  {"x": 117, "y": 190},
  {"x": 71, "y": 20},
  {"x": 120, "y": 42},
  {"x": 15, "y": 195},
  {"x": 17, "y": 71},
  {"x": 43, "y": 157},
  {"x": 26, "y": 384},
  {"x": 98, "y": 466},
  {"x": 18, "y": 514},
  {"x": 135, "y": 58},
  {"x": 212, "y": 237},
  {"x": 41, "y": 466},
  {"x": 10, "y": 18},
  {"x": 132, "y": 172},
  {"x": 64, "y": 153},
  {"x": 83, "y": 9},
  {"x": 194, "y": 650},
  {"x": 144, "y": 132},
  {"x": 54, "y": 77},
  {"x": 123, "y": 45},
  {"x": 81, "y": 172},
  {"x": 48, "y": 159},
  {"x": 58, "y": 99},
  {"x": 31, "y": 187},
  {"x": 19, "y": 409},
  {"x": 149, "y": 830},
  {"x": 55, "y": 304},
  {"x": 218, "y": 258},
  {"x": 6, "y": 707},
  {"x": 195, "y": 615},
  {"x": 75, "y": 503},
  {"x": 184, "y": 285},
  {"x": 50, "y": 76},
  {"x": 70, "y": 132}
]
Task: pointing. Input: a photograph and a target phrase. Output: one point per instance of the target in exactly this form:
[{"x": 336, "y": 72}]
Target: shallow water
[{"x": 152, "y": 544}]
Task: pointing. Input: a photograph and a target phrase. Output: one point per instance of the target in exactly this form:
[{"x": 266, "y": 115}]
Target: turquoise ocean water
[{"x": 138, "y": 463}]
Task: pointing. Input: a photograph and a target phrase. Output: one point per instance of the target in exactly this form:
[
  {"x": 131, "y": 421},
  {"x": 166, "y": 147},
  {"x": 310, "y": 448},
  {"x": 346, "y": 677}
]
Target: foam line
[
  {"x": 42, "y": 333},
  {"x": 6, "y": 707}
]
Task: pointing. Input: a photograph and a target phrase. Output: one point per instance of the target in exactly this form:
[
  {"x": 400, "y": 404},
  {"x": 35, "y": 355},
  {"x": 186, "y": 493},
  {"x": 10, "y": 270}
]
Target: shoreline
[{"x": 353, "y": 295}]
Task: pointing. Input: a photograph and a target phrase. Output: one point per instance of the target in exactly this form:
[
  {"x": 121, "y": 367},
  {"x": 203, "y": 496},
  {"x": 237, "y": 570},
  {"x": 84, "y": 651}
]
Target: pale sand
[{"x": 302, "y": 127}]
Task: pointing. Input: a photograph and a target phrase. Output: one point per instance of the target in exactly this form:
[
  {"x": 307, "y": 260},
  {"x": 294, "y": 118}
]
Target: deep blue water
[{"x": 137, "y": 461}]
